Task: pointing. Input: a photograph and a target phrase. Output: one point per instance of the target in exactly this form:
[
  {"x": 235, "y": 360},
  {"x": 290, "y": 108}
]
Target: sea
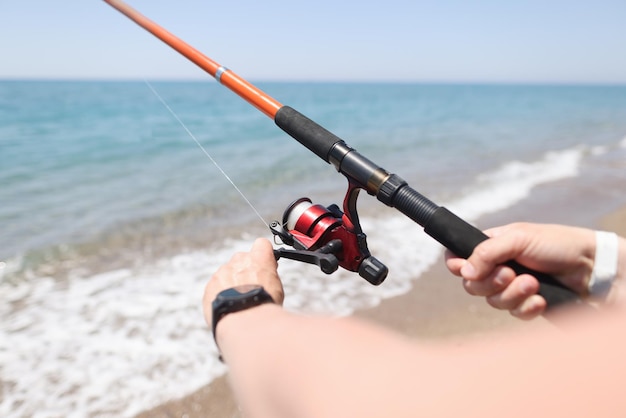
[{"x": 119, "y": 199}]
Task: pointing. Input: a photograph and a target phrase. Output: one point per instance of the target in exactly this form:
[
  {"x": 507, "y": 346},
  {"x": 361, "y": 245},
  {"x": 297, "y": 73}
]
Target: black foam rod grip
[
  {"x": 461, "y": 238},
  {"x": 307, "y": 132}
]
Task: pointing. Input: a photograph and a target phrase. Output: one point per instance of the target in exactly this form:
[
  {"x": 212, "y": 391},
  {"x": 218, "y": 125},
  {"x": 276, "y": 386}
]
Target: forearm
[
  {"x": 257, "y": 368},
  {"x": 286, "y": 365}
]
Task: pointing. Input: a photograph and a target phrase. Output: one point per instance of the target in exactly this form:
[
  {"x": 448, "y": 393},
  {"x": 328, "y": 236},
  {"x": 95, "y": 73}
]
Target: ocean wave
[{"x": 514, "y": 180}]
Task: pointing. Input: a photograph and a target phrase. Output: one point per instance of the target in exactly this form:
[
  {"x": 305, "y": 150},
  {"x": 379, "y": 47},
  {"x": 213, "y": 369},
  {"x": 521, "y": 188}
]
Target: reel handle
[{"x": 323, "y": 258}]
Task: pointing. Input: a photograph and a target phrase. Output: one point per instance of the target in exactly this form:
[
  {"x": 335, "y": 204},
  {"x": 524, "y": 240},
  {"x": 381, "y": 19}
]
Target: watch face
[
  {"x": 245, "y": 288},
  {"x": 237, "y": 292}
]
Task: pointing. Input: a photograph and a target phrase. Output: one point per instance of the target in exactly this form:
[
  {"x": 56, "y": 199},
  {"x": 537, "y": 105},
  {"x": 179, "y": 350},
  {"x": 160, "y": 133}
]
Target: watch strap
[{"x": 237, "y": 299}]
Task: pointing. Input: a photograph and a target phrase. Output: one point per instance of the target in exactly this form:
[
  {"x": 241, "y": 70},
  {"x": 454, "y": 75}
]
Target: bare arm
[{"x": 286, "y": 365}]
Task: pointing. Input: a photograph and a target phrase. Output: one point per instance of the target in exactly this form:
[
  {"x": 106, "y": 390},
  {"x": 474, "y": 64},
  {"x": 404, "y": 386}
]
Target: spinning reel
[{"x": 328, "y": 237}]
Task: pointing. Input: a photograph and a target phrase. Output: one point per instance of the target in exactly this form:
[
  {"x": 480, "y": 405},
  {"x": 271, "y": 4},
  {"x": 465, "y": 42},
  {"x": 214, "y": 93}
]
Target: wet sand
[{"x": 435, "y": 308}]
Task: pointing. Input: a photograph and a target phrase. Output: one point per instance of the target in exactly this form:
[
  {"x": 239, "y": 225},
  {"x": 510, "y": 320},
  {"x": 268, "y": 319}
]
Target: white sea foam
[
  {"x": 599, "y": 150},
  {"x": 119, "y": 342},
  {"x": 513, "y": 182}
]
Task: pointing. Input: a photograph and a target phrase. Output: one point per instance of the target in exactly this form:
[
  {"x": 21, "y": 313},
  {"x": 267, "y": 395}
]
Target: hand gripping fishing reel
[{"x": 328, "y": 237}]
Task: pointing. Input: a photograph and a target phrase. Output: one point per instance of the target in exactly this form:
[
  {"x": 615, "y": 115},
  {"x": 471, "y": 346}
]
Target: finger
[
  {"x": 498, "y": 230},
  {"x": 453, "y": 262},
  {"x": 520, "y": 289},
  {"x": 263, "y": 252},
  {"x": 492, "y": 252},
  {"x": 495, "y": 283},
  {"x": 262, "y": 255},
  {"x": 531, "y": 308}
]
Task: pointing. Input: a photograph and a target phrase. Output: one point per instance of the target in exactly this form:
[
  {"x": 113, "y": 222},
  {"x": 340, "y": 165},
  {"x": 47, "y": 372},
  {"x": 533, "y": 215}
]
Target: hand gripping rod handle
[{"x": 461, "y": 238}]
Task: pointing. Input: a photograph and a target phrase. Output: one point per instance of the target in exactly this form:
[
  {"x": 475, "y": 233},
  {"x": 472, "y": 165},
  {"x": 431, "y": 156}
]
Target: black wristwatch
[{"x": 237, "y": 299}]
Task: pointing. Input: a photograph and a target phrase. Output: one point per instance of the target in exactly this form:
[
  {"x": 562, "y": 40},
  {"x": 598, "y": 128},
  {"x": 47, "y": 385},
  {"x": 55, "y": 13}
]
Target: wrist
[
  {"x": 237, "y": 299},
  {"x": 244, "y": 328},
  {"x": 618, "y": 290}
]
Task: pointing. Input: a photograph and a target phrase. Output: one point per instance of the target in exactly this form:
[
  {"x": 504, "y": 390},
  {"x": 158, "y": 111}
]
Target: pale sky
[{"x": 387, "y": 40}]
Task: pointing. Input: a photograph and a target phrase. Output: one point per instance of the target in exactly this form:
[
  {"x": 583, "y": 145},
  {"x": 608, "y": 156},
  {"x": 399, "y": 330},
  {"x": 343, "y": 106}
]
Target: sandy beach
[{"x": 436, "y": 308}]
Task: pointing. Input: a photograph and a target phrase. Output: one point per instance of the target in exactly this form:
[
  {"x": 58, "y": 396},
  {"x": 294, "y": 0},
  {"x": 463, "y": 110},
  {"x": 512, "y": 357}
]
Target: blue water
[
  {"x": 112, "y": 218},
  {"x": 83, "y": 159}
]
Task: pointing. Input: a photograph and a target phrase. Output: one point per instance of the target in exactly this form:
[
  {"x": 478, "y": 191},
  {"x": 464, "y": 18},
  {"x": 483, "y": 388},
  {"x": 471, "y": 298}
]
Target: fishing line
[
  {"x": 205, "y": 151},
  {"x": 448, "y": 229}
]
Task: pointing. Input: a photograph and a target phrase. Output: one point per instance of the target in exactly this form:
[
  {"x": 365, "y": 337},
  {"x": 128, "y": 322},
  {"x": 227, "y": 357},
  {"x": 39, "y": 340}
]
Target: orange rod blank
[{"x": 250, "y": 93}]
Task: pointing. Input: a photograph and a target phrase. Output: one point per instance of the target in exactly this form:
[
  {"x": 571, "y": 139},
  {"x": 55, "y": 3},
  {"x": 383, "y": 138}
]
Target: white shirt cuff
[{"x": 605, "y": 263}]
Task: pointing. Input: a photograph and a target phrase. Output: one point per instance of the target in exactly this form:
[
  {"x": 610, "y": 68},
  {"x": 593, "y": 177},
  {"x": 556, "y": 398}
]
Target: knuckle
[
  {"x": 469, "y": 287},
  {"x": 496, "y": 301},
  {"x": 482, "y": 251}
]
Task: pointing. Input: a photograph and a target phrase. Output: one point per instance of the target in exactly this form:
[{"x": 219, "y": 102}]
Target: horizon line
[{"x": 319, "y": 81}]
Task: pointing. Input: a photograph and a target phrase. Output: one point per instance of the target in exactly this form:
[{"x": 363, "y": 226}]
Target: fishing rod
[{"x": 328, "y": 236}]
